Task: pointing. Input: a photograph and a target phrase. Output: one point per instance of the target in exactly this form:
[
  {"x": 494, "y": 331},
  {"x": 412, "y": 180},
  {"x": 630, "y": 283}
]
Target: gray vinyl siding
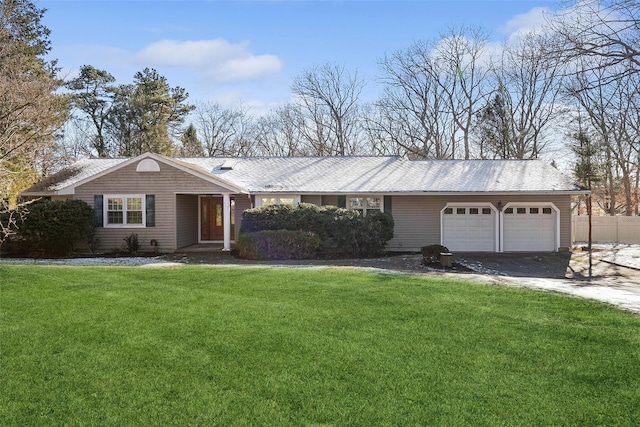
[
  {"x": 187, "y": 220},
  {"x": 313, "y": 199},
  {"x": 164, "y": 185},
  {"x": 417, "y": 218},
  {"x": 329, "y": 201},
  {"x": 243, "y": 202},
  {"x": 417, "y": 223}
]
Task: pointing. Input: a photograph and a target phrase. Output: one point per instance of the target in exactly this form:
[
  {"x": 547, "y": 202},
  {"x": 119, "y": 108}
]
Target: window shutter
[
  {"x": 342, "y": 201},
  {"x": 97, "y": 211},
  {"x": 151, "y": 210},
  {"x": 387, "y": 204}
]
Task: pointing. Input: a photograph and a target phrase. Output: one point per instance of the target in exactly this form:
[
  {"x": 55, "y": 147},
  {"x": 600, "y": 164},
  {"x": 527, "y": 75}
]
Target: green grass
[{"x": 209, "y": 346}]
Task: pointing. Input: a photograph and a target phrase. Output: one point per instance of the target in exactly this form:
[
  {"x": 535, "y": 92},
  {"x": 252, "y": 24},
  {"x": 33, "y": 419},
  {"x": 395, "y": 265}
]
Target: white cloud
[
  {"x": 526, "y": 23},
  {"x": 217, "y": 59}
]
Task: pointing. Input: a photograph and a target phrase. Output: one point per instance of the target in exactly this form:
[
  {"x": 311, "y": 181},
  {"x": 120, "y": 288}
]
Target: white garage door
[
  {"x": 468, "y": 229},
  {"x": 529, "y": 228}
]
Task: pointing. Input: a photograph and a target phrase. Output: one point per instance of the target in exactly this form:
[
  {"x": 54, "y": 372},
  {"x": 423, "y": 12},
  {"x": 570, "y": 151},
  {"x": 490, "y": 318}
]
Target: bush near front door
[{"x": 343, "y": 233}]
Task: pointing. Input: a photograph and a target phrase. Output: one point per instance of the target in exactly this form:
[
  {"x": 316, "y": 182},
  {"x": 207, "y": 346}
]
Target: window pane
[
  {"x": 473, "y": 211},
  {"x": 356, "y": 202},
  {"x": 134, "y": 217},
  {"x": 546, "y": 210},
  {"x": 533, "y": 210},
  {"x": 286, "y": 201},
  {"x": 266, "y": 201},
  {"x": 373, "y": 203},
  {"x": 134, "y": 204},
  {"x": 114, "y": 204},
  {"x": 115, "y": 211},
  {"x": 134, "y": 210},
  {"x": 486, "y": 211},
  {"x": 218, "y": 215},
  {"x": 461, "y": 211},
  {"x": 521, "y": 210},
  {"x": 508, "y": 211},
  {"x": 114, "y": 217},
  {"x": 448, "y": 211}
]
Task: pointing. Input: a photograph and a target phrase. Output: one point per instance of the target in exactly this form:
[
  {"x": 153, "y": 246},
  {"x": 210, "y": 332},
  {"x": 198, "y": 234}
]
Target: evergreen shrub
[
  {"x": 342, "y": 232},
  {"x": 277, "y": 244},
  {"x": 53, "y": 227}
]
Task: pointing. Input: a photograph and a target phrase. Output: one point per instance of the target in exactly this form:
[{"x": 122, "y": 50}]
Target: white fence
[{"x": 613, "y": 229}]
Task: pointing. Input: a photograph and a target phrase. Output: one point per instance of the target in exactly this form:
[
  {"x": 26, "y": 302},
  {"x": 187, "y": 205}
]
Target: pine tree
[{"x": 191, "y": 146}]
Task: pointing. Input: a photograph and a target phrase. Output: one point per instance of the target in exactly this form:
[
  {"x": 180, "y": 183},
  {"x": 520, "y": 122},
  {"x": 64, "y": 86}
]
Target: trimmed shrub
[
  {"x": 277, "y": 244},
  {"x": 131, "y": 244},
  {"x": 305, "y": 216},
  {"x": 343, "y": 232},
  {"x": 373, "y": 231},
  {"x": 431, "y": 253},
  {"x": 54, "y": 227}
]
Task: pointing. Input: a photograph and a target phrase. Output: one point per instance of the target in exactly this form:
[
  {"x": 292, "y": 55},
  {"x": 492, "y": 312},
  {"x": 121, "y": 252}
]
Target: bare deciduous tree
[
  {"x": 464, "y": 66},
  {"x": 432, "y": 93},
  {"x": 604, "y": 35},
  {"x": 223, "y": 130},
  {"x": 281, "y": 133},
  {"x": 330, "y": 96},
  {"x": 412, "y": 113},
  {"x": 611, "y": 109},
  {"x": 528, "y": 84}
]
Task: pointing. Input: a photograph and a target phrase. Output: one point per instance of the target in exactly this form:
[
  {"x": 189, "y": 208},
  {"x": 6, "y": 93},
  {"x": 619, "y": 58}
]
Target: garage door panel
[
  {"x": 469, "y": 229},
  {"x": 530, "y": 229}
]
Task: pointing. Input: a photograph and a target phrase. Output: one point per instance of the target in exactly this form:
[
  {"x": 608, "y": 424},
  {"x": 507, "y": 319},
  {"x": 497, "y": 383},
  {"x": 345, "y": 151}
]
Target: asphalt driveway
[{"x": 604, "y": 275}]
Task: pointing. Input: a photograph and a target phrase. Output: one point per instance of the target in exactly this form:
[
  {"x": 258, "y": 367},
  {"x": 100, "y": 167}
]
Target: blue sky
[{"x": 249, "y": 52}]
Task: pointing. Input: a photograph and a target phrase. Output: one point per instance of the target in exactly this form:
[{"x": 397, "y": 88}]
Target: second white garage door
[
  {"x": 529, "y": 228},
  {"x": 469, "y": 229}
]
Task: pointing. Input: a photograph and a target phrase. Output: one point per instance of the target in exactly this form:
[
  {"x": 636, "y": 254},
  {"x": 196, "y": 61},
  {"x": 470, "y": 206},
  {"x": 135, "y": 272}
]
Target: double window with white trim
[
  {"x": 268, "y": 200},
  {"x": 365, "y": 204},
  {"x": 124, "y": 210}
]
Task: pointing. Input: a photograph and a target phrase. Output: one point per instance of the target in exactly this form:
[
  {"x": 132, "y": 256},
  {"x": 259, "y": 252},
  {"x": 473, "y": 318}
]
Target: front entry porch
[
  {"x": 216, "y": 219},
  {"x": 208, "y": 219}
]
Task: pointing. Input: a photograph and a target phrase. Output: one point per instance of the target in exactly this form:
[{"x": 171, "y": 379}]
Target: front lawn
[{"x": 205, "y": 346}]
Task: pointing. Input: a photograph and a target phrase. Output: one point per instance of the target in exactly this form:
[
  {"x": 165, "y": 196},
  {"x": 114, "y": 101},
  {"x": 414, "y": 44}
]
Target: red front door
[{"x": 212, "y": 218}]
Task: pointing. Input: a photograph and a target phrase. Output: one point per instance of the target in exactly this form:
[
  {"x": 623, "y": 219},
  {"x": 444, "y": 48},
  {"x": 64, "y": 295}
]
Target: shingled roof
[{"x": 346, "y": 175}]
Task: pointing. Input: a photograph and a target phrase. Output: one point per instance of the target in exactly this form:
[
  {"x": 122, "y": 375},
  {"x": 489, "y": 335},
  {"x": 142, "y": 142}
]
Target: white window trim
[
  {"x": 497, "y": 238},
  {"x": 295, "y": 197},
  {"x": 532, "y": 205},
  {"x": 364, "y": 208},
  {"x": 105, "y": 210}
]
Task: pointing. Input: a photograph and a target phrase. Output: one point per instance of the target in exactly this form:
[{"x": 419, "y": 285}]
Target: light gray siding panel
[
  {"x": 186, "y": 220},
  {"x": 243, "y": 202},
  {"x": 164, "y": 185},
  {"x": 417, "y": 223},
  {"x": 316, "y": 200},
  {"x": 417, "y": 218}
]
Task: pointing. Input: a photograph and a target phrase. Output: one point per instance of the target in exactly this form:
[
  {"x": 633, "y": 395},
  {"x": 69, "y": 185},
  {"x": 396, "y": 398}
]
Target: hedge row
[
  {"x": 50, "y": 227},
  {"x": 342, "y": 232},
  {"x": 277, "y": 244}
]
